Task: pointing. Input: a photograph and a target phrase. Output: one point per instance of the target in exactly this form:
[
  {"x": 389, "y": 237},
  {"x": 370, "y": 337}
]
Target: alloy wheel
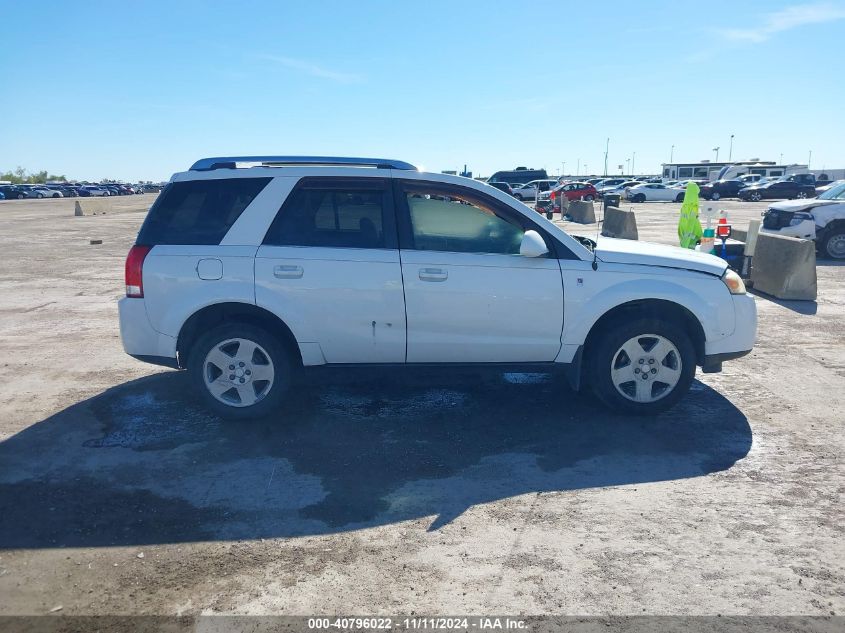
[
  {"x": 238, "y": 372},
  {"x": 646, "y": 368}
]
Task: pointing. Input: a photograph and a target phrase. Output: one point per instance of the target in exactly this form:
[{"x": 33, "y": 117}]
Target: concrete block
[
  {"x": 619, "y": 223},
  {"x": 77, "y": 209},
  {"x": 582, "y": 212},
  {"x": 784, "y": 267}
]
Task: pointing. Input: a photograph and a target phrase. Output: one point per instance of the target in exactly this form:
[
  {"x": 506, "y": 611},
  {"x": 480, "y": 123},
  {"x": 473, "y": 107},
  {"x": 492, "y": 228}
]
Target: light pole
[
  {"x": 716, "y": 149},
  {"x": 563, "y": 168},
  {"x": 634, "y": 163},
  {"x": 672, "y": 154},
  {"x": 606, "y": 148},
  {"x": 628, "y": 163},
  {"x": 810, "y": 159},
  {"x": 781, "y": 159},
  {"x": 731, "y": 149},
  {"x": 578, "y": 167}
]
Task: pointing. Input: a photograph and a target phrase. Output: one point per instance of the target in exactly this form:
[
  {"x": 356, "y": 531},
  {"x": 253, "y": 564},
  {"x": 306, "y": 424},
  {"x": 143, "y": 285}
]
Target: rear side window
[
  {"x": 339, "y": 217},
  {"x": 198, "y": 211}
]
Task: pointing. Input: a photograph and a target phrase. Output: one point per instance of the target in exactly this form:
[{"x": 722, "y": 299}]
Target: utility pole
[
  {"x": 563, "y": 168},
  {"x": 672, "y": 154},
  {"x": 731, "y": 149},
  {"x": 606, "y": 148},
  {"x": 716, "y": 149},
  {"x": 634, "y": 163},
  {"x": 628, "y": 162},
  {"x": 810, "y": 159},
  {"x": 578, "y": 168}
]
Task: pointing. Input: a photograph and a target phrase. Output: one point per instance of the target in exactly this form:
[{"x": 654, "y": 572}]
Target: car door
[
  {"x": 329, "y": 266},
  {"x": 783, "y": 189},
  {"x": 470, "y": 296}
]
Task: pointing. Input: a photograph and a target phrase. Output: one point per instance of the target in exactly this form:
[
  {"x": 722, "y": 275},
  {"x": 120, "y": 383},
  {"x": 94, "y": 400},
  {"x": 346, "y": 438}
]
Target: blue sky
[{"x": 140, "y": 90}]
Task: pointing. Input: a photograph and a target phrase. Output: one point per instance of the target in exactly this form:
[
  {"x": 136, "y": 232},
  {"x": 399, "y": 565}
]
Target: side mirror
[{"x": 532, "y": 245}]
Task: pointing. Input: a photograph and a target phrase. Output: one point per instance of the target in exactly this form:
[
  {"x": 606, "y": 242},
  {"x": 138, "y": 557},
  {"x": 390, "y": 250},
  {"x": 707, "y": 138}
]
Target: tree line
[{"x": 20, "y": 176}]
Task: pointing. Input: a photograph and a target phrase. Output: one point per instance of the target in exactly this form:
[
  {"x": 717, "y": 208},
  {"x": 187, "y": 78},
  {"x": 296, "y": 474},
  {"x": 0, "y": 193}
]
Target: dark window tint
[
  {"x": 332, "y": 217},
  {"x": 198, "y": 211}
]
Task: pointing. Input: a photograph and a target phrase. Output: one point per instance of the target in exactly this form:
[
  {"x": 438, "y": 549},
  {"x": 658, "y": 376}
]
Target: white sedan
[
  {"x": 529, "y": 190},
  {"x": 652, "y": 191}
]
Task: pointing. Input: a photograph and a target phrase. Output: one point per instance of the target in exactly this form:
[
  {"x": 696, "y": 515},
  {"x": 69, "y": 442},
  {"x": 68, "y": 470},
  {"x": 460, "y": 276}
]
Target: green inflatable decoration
[{"x": 689, "y": 228}]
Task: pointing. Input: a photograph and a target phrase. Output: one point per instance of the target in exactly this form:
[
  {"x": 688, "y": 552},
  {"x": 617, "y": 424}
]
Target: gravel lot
[{"x": 446, "y": 494}]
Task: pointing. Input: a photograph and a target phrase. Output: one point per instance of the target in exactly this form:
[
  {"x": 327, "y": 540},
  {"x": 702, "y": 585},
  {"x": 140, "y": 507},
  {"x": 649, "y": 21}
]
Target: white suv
[{"x": 248, "y": 269}]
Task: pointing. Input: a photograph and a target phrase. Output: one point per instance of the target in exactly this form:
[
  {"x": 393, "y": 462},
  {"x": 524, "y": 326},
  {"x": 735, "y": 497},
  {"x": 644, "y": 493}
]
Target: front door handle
[
  {"x": 288, "y": 272},
  {"x": 433, "y": 274}
]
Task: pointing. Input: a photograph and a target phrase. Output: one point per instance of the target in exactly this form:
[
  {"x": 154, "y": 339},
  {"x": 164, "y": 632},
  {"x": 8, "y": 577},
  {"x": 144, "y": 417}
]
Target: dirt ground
[{"x": 453, "y": 494}]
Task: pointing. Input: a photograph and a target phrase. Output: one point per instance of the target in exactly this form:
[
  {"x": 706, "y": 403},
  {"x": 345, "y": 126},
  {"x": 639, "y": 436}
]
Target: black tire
[
  {"x": 588, "y": 198},
  {"x": 715, "y": 196},
  {"x": 829, "y": 246},
  {"x": 801, "y": 195},
  {"x": 679, "y": 197},
  {"x": 518, "y": 196},
  {"x": 603, "y": 351},
  {"x": 549, "y": 215},
  {"x": 20, "y": 196},
  {"x": 640, "y": 197},
  {"x": 280, "y": 357},
  {"x": 39, "y": 195},
  {"x": 755, "y": 197}
]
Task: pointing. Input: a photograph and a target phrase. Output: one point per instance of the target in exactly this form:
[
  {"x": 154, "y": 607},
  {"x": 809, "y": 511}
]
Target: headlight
[
  {"x": 734, "y": 282},
  {"x": 798, "y": 218}
]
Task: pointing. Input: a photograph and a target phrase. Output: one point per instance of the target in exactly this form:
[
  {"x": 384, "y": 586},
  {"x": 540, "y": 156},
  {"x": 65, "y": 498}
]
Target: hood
[
  {"x": 801, "y": 205},
  {"x": 648, "y": 254}
]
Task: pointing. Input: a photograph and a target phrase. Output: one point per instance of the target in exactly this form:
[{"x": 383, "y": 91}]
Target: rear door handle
[
  {"x": 433, "y": 274},
  {"x": 288, "y": 272}
]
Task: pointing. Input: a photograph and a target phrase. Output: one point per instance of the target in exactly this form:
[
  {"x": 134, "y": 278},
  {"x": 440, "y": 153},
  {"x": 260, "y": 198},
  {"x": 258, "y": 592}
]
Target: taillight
[{"x": 135, "y": 271}]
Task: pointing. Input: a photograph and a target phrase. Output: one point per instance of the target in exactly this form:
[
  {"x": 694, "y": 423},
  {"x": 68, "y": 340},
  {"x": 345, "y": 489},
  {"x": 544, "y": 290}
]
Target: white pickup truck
[{"x": 249, "y": 269}]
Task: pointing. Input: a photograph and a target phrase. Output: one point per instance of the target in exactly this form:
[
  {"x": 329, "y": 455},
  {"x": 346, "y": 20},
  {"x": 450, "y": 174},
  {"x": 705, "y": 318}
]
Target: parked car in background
[
  {"x": 94, "y": 190},
  {"x": 652, "y": 191},
  {"x": 777, "y": 189},
  {"x": 750, "y": 179},
  {"x": 721, "y": 189},
  {"x": 502, "y": 186},
  {"x": 13, "y": 192},
  {"x": 618, "y": 189},
  {"x": 820, "y": 219},
  {"x": 609, "y": 183},
  {"x": 529, "y": 190},
  {"x": 111, "y": 190},
  {"x": 2, "y": 196},
  {"x": 40, "y": 191},
  {"x": 519, "y": 176},
  {"x": 66, "y": 190}
]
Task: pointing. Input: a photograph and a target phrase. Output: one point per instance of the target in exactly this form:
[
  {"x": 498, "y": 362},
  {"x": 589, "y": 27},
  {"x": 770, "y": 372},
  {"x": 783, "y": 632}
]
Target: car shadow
[
  {"x": 807, "y": 307},
  {"x": 142, "y": 463}
]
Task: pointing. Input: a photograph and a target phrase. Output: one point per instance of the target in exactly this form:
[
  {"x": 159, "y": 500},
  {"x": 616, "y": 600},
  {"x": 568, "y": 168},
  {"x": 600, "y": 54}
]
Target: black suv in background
[
  {"x": 722, "y": 189},
  {"x": 13, "y": 192},
  {"x": 777, "y": 189}
]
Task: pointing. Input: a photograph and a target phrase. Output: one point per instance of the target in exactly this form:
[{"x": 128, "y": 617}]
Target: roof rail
[{"x": 231, "y": 162}]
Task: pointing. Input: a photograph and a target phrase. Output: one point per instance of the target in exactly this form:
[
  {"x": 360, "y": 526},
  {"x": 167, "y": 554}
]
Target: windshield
[{"x": 836, "y": 192}]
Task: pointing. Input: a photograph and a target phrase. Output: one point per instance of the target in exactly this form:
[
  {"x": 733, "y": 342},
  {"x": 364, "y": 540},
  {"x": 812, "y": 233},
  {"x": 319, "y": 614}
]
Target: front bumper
[{"x": 740, "y": 342}]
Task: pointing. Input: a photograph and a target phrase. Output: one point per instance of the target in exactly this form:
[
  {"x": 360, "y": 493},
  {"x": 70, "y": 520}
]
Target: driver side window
[{"x": 448, "y": 221}]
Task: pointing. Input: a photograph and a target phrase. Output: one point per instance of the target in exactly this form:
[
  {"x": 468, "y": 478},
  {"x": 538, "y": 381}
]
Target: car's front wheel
[
  {"x": 588, "y": 198},
  {"x": 833, "y": 243},
  {"x": 756, "y": 196},
  {"x": 642, "y": 367},
  {"x": 241, "y": 371},
  {"x": 640, "y": 197},
  {"x": 39, "y": 195},
  {"x": 518, "y": 196},
  {"x": 679, "y": 197},
  {"x": 715, "y": 195}
]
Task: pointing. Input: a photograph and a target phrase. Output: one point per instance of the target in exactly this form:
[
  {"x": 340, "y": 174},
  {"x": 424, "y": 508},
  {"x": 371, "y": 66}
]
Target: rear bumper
[{"x": 139, "y": 338}]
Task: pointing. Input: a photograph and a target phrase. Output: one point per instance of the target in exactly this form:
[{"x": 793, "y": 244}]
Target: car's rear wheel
[
  {"x": 20, "y": 196},
  {"x": 240, "y": 371},
  {"x": 833, "y": 244},
  {"x": 39, "y": 195},
  {"x": 715, "y": 195},
  {"x": 588, "y": 198},
  {"x": 679, "y": 197},
  {"x": 801, "y": 195},
  {"x": 642, "y": 367},
  {"x": 518, "y": 196}
]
